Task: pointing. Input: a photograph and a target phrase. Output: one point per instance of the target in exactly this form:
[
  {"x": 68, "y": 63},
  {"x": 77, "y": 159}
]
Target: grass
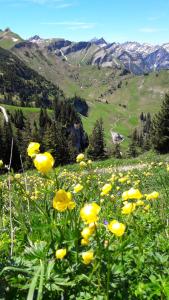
[{"x": 49, "y": 251}]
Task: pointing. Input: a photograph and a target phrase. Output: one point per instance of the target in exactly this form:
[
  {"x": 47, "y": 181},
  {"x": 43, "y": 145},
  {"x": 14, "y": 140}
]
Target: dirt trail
[{"x": 122, "y": 168}]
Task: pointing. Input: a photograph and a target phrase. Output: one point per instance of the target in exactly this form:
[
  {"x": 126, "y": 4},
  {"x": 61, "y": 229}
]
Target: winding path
[
  {"x": 3, "y": 110},
  {"x": 122, "y": 168}
]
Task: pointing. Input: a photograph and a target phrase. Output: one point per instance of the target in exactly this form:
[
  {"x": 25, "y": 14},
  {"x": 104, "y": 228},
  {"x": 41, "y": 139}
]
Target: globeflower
[
  {"x": 131, "y": 194},
  {"x": 89, "y": 213},
  {"x": 33, "y": 149},
  {"x": 106, "y": 189},
  {"x": 44, "y": 162},
  {"x": 153, "y": 195},
  {"x": 63, "y": 200},
  {"x": 60, "y": 253},
  {"x": 117, "y": 228},
  {"x": 1, "y": 163},
  {"x": 123, "y": 179},
  {"x": 82, "y": 164},
  {"x": 80, "y": 157},
  {"x": 84, "y": 242},
  {"x": 140, "y": 203},
  {"x": 89, "y": 162},
  {"x": 88, "y": 231},
  {"x": 128, "y": 208},
  {"x": 78, "y": 187},
  {"x": 87, "y": 256}
]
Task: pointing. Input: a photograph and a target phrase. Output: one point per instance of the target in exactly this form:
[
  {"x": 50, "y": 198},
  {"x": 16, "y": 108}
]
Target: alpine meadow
[{"x": 84, "y": 150}]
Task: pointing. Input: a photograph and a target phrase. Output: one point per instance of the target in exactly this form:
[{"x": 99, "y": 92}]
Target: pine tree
[
  {"x": 132, "y": 150},
  {"x": 160, "y": 128},
  {"x": 147, "y": 143},
  {"x": 56, "y": 143},
  {"x": 96, "y": 149}
]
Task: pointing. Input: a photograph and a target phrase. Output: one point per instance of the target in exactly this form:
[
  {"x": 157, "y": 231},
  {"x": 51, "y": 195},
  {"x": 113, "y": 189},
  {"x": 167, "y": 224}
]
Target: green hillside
[
  {"x": 20, "y": 84},
  {"x": 73, "y": 76},
  {"x": 9, "y": 39},
  {"x": 138, "y": 94}
]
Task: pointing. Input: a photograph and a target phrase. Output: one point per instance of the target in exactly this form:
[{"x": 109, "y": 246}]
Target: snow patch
[{"x": 14, "y": 39}]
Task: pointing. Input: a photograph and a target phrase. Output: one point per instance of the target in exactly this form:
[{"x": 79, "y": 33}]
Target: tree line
[{"x": 63, "y": 135}]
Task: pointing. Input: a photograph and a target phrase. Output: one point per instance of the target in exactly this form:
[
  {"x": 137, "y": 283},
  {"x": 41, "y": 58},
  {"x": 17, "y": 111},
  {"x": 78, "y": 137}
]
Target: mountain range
[
  {"x": 88, "y": 69},
  {"x": 135, "y": 57}
]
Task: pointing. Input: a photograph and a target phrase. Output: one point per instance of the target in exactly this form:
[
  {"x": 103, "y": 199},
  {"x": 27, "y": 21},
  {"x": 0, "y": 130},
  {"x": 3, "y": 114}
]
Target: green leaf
[
  {"x": 40, "y": 289},
  {"x": 33, "y": 284}
]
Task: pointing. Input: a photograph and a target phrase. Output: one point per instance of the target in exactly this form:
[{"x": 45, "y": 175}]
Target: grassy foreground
[{"x": 108, "y": 239}]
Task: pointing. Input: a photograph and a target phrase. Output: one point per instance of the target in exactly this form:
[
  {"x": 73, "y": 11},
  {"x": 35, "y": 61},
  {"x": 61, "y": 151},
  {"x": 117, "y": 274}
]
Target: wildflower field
[{"x": 84, "y": 234}]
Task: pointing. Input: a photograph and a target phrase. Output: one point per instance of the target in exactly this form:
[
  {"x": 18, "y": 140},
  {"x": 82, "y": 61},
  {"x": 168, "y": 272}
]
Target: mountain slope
[
  {"x": 70, "y": 71},
  {"x": 19, "y": 83},
  {"x": 8, "y": 39},
  {"x": 122, "y": 113},
  {"x": 136, "y": 95}
]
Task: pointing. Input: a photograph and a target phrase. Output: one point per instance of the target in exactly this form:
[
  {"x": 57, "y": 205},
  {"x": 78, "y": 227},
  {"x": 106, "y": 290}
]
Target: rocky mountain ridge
[{"x": 135, "y": 57}]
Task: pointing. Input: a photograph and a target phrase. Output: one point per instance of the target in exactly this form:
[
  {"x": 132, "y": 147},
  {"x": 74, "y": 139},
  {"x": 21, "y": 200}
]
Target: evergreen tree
[
  {"x": 35, "y": 133},
  {"x": 147, "y": 143},
  {"x": 160, "y": 128},
  {"x": 96, "y": 149},
  {"x": 132, "y": 150},
  {"x": 56, "y": 143},
  {"x": 147, "y": 126}
]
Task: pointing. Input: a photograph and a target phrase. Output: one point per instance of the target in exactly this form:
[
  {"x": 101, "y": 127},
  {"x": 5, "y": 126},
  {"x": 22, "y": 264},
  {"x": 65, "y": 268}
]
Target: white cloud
[{"x": 152, "y": 29}]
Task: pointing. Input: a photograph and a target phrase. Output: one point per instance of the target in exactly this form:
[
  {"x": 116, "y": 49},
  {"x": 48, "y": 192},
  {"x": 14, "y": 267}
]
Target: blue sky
[{"x": 115, "y": 20}]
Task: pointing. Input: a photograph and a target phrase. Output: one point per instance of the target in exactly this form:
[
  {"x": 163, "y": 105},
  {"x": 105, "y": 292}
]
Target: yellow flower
[
  {"x": 167, "y": 168},
  {"x": 87, "y": 257},
  {"x": 131, "y": 194},
  {"x": 86, "y": 233},
  {"x": 89, "y": 213},
  {"x": 78, "y": 187},
  {"x": 117, "y": 228},
  {"x": 1, "y": 163},
  {"x": 84, "y": 242},
  {"x": 80, "y": 157},
  {"x": 140, "y": 202},
  {"x": 123, "y": 179},
  {"x": 82, "y": 164},
  {"x": 60, "y": 253},
  {"x": 44, "y": 162},
  {"x": 17, "y": 176},
  {"x": 33, "y": 149},
  {"x": 63, "y": 200},
  {"x": 153, "y": 195},
  {"x": 89, "y": 162},
  {"x": 128, "y": 208},
  {"x": 106, "y": 189}
]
